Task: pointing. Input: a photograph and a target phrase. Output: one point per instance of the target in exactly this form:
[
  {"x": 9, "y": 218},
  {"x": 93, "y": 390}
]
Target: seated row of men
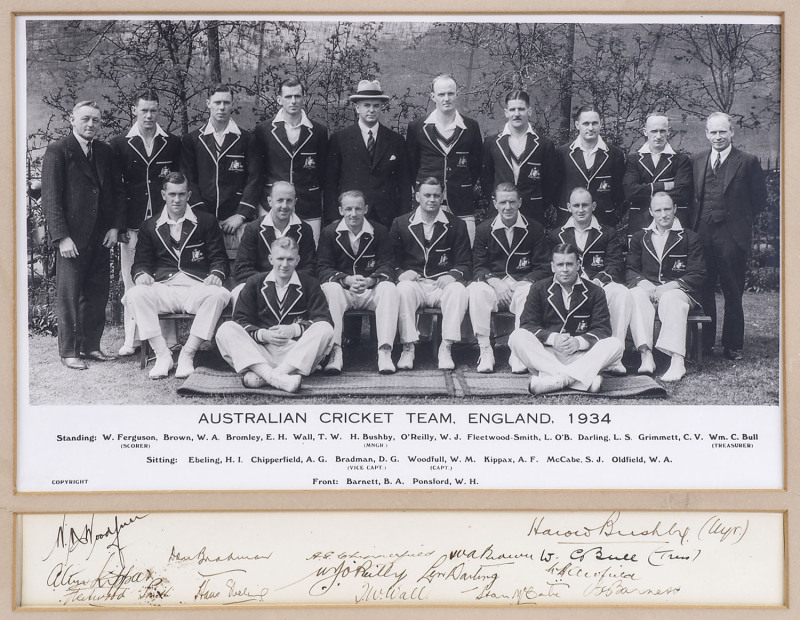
[{"x": 279, "y": 332}]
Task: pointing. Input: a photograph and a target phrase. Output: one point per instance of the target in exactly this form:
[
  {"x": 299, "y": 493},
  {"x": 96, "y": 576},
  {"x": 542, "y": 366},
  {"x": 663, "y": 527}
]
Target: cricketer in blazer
[
  {"x": 226, "y": 185},
  {"x": 144, "y": 174},
  {"x": 336, "y": 259},
  {"x": 384, "y": 179},
  {"x": 200, "y": 252},
  {"x": 254, "y": 248},
  {"x": 527, "y": 258},
  {"x": 602, "y": 256},
  {"x": 258, "y": 305},
  {"x": 459, "y": 169},
  {"x": 302, "y": 165},
  {"x": 448, "y": 251},
  {"x": 682, "y": 261},
  {"x": 587, "y": 315}
]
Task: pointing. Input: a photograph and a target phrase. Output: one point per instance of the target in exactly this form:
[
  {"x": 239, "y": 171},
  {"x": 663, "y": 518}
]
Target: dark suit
[
  {"x": 383, "y": 179},
  {"x": 727, "y": 233},
  {"x": 83, "y": 201}
]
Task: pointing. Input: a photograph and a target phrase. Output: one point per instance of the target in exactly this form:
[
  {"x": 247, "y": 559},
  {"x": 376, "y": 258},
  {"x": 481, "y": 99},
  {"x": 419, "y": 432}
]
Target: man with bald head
[{"x": 656, "y": 167}]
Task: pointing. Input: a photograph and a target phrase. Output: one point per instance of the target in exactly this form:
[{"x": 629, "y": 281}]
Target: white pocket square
[{"x": 392, "y": 158}]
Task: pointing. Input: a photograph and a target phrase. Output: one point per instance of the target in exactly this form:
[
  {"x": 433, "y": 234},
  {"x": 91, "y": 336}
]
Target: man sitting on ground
[
  {"x": 433, "y": 260},
  {"x": 665, "y": 270},
  {"x": 179, "y": 266},
  {"x": 281, "y": 328},
  {"x": 565, "y": 332},
  {"x": 355, "y": 267}
]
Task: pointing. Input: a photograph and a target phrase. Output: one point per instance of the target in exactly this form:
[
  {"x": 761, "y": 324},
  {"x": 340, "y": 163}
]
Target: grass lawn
[{"x": 752, "y": 381}]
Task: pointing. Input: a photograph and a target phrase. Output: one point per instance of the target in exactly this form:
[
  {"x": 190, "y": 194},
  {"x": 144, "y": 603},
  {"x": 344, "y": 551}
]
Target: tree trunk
[
  {"x": 565, "y": 96},
  {"x": 214, "y": 70}
]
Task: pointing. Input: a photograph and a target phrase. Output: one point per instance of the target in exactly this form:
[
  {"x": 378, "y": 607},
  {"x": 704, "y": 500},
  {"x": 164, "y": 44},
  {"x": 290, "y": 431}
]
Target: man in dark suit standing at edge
[
  {"x": 729, "y": 191},
  {"x": 83, "y": 201},
  {"x": 368, "y": 157}
]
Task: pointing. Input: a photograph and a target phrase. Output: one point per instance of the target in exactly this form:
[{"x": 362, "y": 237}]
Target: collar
[
  {"x": 497, "y": 223},
  {"x": 82, "y": 141},
  {"x": 268, "y": 221},
  {"x": 366, "y": 227},
  {"x": 364, "y": 129},
  {"x": 676, "y": 226},
  {"x": 416, "y": 218},
  {"x": 507, "y": 130},
  {"x": 593, "y": 224},
  {"x": 458, "y": 122},
  {"x": 723, "y": 154},
  {"x": 135, "y": 132},
  {"x": 165, "y": 219},
  {"x": 280, "y": 117},
  {"x": 668, "y": 150},
  {"x": 272, "y": 278},
  {"x": 231, "y": 128},
  {"x": 564, "y": 288},
  {"x": 601, "y": 145}
]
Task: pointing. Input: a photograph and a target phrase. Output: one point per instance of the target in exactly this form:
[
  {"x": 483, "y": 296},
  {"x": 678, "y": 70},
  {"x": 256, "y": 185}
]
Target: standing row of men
[{"x": 231, "y": 172}]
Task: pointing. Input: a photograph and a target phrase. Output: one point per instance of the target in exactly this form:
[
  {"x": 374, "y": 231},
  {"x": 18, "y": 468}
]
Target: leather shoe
[
  {"x": 74, "y": 363},
  {"x": 733, "y": 354},
  {"x": 98, "y": 356}
]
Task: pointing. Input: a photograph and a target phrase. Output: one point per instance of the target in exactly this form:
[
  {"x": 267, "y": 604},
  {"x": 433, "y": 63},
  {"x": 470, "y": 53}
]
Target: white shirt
[
  {"x": 582, "y": 235},
  {"x": 231, "y": 127},
  {"x": 446, "y": 130},
  {"x": 280, "y": 291},
  {"x": 83, "y": 142},
  {"x": 427, "y": 229},
  {"x": 497, "y": 224},
  {"x": 292, "y": 131},
  {"x": 365, "y": 132},
  {"x": 723, "y": 155},
  {"x": 656, "y": 156},
  {"x": 588, "y": 155},
  {"x": 268, "y": 221},
  {"x": 660, "y": 238},
  {"x": 355, "y": 237},
  {"x": 175, "y": 226},
  {"x": 148, "y": 144}
]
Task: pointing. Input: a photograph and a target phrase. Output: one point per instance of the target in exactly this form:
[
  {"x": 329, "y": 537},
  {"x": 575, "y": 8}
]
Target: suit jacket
[
  {"x": 258, "y": 306},
  {"x": 223, "y": 186},
  {"x": 587, "y": 315},
  {"x": 447, "y": 253},
  {"x": 527, "y": 258},
  {"x": 459, "y": 169},
  {"x": 336, "y": 259},
  {"x": 201, "y": 251},
  {"x": 303, "y": 166},
  {"x": 745, "y": 193},
  {"x": 254, "y": 249},
  {"x": 604, "y": 181},
  {"x": 682, "y": 261},
  {"x": 383, "y": 179},
  {"x": 642, "y": 180},
  {"x": 538, "y": 178},
  {"x": 602, "y": 256},
  {"x": 144, "y": 174},
  {"x": 77, "y": 199}
]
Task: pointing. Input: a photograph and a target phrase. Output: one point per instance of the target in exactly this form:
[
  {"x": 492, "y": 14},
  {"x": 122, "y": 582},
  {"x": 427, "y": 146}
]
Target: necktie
[
  {"x": 89, "y": 152},
  {"x": 370, "y": 144},
  {"x": 716, "y": 165}
]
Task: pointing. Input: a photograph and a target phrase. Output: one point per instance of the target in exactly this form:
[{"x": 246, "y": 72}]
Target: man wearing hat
[{"x": 368, "y": 157}]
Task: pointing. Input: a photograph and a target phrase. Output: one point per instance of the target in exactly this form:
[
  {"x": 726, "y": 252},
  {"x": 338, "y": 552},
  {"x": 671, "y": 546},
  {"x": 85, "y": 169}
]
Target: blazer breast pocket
[
  {"x": 581, "y": 323},
  {"x": 234, "y": 163},
  {"x": 678, "y": 262},
  {"x": 603, "y": 184}
]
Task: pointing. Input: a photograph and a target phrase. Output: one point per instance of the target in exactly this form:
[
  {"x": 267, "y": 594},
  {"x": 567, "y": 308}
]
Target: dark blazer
[
  {"x": 602, "y": 257},
  {"x": 587, "y": 315},
  {"x": 526, "y": 259},
  {"x": 336, "y": 260},
  {"x": 223, "y": 186},
  {"x": 76, "y": 199},
  {"x": 447, "y": 253},
  {"x": 642, "y": 180},
  {"x": 539, "y": 176},
  {"x": 383, "y": 179},
  {"x": 682, "y": 261},
  {"x": 144, "y": 175},
  {"x": 459, "y": 170},
  {"x": 254, "y": 249},
  {"x": 303, "y": 165},
  {"x": 604, "y": 182},
  {"x": 745, "y": 193},
  {"x": 258, "y": 306},
  {"x": 201, "y": 251}
]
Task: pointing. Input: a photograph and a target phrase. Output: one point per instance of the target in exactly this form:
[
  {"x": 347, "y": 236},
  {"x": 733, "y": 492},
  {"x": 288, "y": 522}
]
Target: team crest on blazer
[
  {"x": 236, "y": 166},
  {"x": 310, "y": 162},
  {"x": 443, "y": 260},
  {"x": 371, "y": 263},
  {"x": 597, "y": 260},
  {"x": 462, "y": 161},
  {"x": 197, "y": 255},
  {"x": 679, "y": 265},
  {"x": 164, "y": 172},
  {"x": 535, "y": 174},
  {"x": 604, "y": 186},
  {"x": 582, "y": 325},
  {"x": 524, "y": 262}
]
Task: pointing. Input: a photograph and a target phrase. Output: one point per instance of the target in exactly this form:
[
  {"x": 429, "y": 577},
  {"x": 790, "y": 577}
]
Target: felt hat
[{"x": 369, "y": 89}]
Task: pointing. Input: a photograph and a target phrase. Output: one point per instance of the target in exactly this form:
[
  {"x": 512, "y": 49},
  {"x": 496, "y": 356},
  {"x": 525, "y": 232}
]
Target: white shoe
[
  {"x": 406, "y": 361},
  {"x": 161, "y": 368},
  {"x": 648, "y": 366},
  {"x": 185, "y": 365},
  {"x": 334, "y": 365},
  {"x": 618, "y": 369},
  {"x": 253, "y": 380},
  {"x": 385, "y": 364},
  {"x": 125, "y": 350},
  {"x": 542, "y": 384},
  {"x": 517, "y": 367},
  {"x": 596, "y": 384},
  {"x": 284, "y": 382},
  {"x": 445, "y": 357},
  {"x": 486, "y": 359},
  {"x": 676, "y": 370}
]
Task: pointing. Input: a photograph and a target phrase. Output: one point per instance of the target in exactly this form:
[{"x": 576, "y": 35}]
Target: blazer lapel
[
  {"x": 576, "y": 155},
  {"x": 592, "y": 237},
  {"x": 163, "y": 234},
  {"x": 733, "y": 162},
  {"x": 500, "y": 236},
  {"x": 430, "y": 132},
  {"x": 381, "y": 145},
  {"x": 556, "y": 301},
  {"x": 343, "y": 241},
  {"x": 77, "y": 154}
]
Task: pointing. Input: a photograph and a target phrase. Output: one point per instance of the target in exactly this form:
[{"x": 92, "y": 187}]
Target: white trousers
[
  {"x": 583, "y": 366},
  {"x": 483, "y": 301},
  {"x": 383, "y": 300},
  {"x": 424, "y": 293},
  {"x": 673, "y": 308},
  {"x": 469, "y": 220},
  {"x": 206, "y": 302},
  {"x": 303, "y": 354},
  {"x": 620, "y": 307},
  {"x": 316, "y": 227}
]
